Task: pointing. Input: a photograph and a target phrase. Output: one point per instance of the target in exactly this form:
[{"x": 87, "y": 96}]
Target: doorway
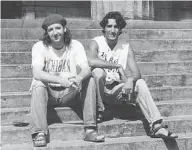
[
  {"x": 173, "y": 10},
  {"x": 40, "y": 9}
]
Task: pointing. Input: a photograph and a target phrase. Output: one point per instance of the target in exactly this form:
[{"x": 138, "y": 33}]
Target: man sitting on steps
[
  {"x": 60, "y": 73},
  {"x": 109, "y": 57}
]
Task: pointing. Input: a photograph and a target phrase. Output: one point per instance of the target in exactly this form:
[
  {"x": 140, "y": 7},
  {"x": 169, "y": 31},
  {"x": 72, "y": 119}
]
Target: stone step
[
  {"x": 23, "y": 84},
  {"x": 129, "y": 143},
  {"x": 15, "y": 71},
  {"x": 145, "y": 56},
  {"x": 91, "y": 24},
  {"x": 11, "y": 45},
  {"x": 113, "y": 129},
  {"x": 23, "y": 99},
  {"x": 66, "y": 114},
  {"x": 146, "y": 68},
  {"x": 15, "y": 99},
  {"x": 28, "y": 33},
  {"x": 36, "y": 23}
]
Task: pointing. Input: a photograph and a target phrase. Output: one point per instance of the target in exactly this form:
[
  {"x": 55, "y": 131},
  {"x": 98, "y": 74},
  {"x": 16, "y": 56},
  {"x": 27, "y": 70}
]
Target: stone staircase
[{"x": 164, "y": 54}]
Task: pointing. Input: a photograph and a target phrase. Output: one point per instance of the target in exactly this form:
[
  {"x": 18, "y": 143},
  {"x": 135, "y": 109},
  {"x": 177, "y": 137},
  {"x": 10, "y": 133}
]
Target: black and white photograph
[{"x": 96, "y": 75}]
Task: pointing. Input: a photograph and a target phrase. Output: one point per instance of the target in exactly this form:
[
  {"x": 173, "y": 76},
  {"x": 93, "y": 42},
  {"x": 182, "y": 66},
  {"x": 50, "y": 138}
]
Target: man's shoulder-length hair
[{"x": 67, "y": 38}]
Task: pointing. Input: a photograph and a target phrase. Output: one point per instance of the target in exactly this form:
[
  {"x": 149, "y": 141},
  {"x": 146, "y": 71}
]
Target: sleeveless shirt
[{"x": 118, "y": 55}]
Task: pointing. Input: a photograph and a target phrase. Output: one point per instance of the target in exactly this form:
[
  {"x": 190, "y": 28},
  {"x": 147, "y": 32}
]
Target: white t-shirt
[
  {"x": 64, "y": 65},
  {"x": 117, "y": 55}
]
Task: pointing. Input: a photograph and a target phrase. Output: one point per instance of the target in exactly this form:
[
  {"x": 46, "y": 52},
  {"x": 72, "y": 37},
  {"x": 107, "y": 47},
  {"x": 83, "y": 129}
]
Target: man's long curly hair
[
  {"x": 67, "y": 38},
  {"x": 121, "y": 23}
]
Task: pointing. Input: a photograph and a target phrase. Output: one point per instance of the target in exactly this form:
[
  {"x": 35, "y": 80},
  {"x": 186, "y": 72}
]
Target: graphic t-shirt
[
  {"x": 118, "y": 55},
  {"x": 64, "y": 65}
]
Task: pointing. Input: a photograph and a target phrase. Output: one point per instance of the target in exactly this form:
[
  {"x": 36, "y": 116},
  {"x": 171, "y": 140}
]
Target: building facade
[{"x": 93, "y": 9}]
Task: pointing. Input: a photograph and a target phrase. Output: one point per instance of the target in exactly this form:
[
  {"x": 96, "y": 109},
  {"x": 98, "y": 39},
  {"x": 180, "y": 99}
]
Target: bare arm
[
  {"x": 38, "y": 65},
  {"x": 95, "y": 61},
  {"x": 83, "y": 68},
  {"x": 85, "y": 72},
  {"x": 41, "y": 75},
  {"x": 133, "y": 67}
]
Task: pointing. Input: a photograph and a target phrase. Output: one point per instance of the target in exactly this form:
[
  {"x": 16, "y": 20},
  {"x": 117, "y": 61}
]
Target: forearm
[
  {"x": 134, "y": 69},
  {"x": 85, "y": 73},
  {"x": 132, "y": 81},
  {"x": 47, "y": 77},
  {"x": 99, "y": 63},
  {"x": 136, "y": 76}
]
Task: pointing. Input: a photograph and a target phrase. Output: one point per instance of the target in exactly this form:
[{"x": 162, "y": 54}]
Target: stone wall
[
  {"x": 134, "y": 10},
  {"x": 97, "y": 9},
  {"x": 71, "y": 9}
]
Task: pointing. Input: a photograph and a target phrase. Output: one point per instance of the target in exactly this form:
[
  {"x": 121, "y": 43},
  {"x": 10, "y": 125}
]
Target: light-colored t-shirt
[
  {"x": 64, "y": 65},
  {"x": 118, "y": 55}
]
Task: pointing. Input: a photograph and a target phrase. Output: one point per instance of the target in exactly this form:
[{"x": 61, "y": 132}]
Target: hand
[
  {"x": 77, "y": 82},
  {"x": 127, "y": 89},
  {"x": 65, "y": 82}
]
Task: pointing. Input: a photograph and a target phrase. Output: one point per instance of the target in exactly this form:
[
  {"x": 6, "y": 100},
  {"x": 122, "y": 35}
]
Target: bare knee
[{"x": 98, "y": 73}]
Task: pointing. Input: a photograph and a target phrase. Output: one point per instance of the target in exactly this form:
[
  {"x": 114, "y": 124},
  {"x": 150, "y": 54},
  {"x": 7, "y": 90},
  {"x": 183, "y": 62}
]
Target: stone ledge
[
  {"x": 90, "y": 24},
  {"x": 66, "y": 114},
  {"x": 113, "y": 129},
  {"x": 129, "y": 143}
]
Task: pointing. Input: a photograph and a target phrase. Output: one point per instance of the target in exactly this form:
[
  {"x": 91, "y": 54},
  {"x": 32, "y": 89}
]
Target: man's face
[
  {"x": 111, "y": 30},
  {"x": 55, "y": 32}
]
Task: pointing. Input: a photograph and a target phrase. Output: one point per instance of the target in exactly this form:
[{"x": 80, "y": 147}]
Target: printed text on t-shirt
[{"x": 57, "y": 66}]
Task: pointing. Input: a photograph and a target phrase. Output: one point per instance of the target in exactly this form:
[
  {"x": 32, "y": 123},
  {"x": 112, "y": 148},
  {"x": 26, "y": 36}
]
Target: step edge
[
  {"x": 151, "y": 88},
  {"x": 155, "y": 75},
  {"x": 110, "y": 122},
  {"x": 122, "y": 140},
  {"x": 100, "y": 29},
  {"x": 29, "y": 40},
  {"x": 139, "y": 62},
  {"x": 158, "y": 103}
]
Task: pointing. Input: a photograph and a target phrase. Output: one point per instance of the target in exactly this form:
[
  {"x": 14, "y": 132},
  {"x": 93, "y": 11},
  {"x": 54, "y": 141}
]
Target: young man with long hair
[{"x": 60, "y": 73}]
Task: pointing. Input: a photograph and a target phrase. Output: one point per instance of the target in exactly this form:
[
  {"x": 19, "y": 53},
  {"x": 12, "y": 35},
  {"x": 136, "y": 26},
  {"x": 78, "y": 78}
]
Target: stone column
[
  {"x": 143, "y": 10},
  {"x": 134, "y": 10},
  {"x": 100, "y": 8},
  {"x": 149, "y": 10},
  {"x": 28, "y": 9},
  {"x": 138, "y": 10}
]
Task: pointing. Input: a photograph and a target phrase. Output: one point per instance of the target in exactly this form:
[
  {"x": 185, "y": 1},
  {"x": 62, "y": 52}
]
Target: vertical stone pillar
[
  {"x": 134, "y": 10},
  {"x": 138, "y": 10},
  {"x": 148, "y": 10},
  {"x": 29, "y": 13},
  {"x": 28, "y": 9},
  {"x": 100, "y": 8},
  {"x": 151, "y": 10},
  {"x": 143, "y": 10}
]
